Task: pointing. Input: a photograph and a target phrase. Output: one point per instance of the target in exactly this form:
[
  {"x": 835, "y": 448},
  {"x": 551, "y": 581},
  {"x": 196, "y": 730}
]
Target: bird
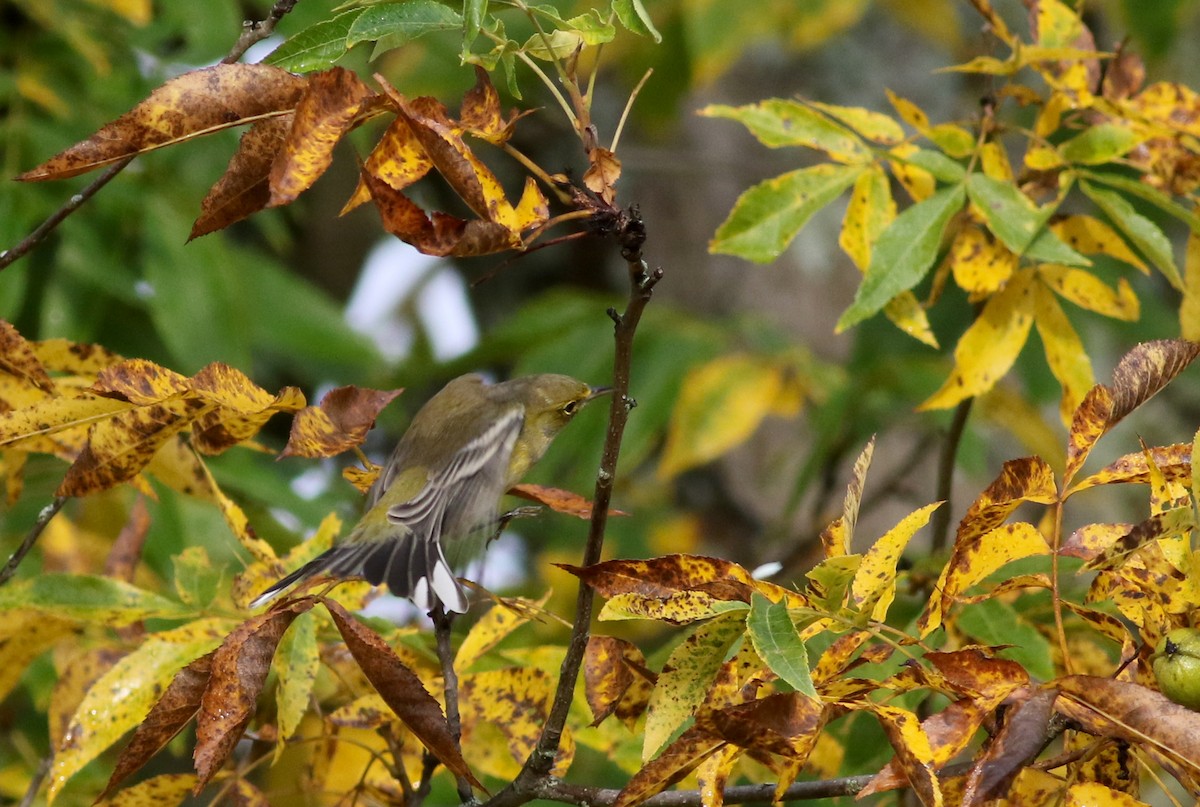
[{"x": 437, "y": 499}]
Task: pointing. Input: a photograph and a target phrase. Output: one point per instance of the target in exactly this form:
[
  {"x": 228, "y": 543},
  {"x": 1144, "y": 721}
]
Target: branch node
[
  {"x": 614, "y": 315},
  {"x": 630, "y": 403}
]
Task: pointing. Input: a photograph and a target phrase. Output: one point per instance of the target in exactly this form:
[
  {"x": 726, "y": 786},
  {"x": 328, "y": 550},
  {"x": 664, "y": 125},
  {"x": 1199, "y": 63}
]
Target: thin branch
[
  {"x": 535, "y": 773},
  {"x": 945, "y": 478},
  {"x": 442, "y": 624},
  {"x": 48, "y": 512},
  {"x": 616, "y": 139},
  {"x": 252, "y": 32}
]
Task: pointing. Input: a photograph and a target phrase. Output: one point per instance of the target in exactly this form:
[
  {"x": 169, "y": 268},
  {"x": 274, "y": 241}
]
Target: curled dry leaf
[
  {"x": 616, "y": 679},
  {"x": 194, "y": 104},
  {"x": 245, "y": 186},
  {"x": 239, "y": 670},
  {"x": 340, "y": 422},
  {"x": 1019, "y": 741},
  {"x": 559, "y": 500},
  {"x": 402, "y": 690}
]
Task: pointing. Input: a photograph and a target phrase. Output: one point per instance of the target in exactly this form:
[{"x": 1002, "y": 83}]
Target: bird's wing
[{"x": 457, "y": 500}]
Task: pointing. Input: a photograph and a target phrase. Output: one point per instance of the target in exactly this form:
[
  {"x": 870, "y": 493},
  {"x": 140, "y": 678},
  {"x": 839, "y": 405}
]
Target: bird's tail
[{"x": 410, "y": 566}]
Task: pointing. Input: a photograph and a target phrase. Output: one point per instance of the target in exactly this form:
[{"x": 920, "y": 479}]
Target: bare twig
[
  {"x": 252, "y": 32},
  {"x": 945, "y": 479},
  {"x": 442, "y": 624},
  {"x": 48, "y": 512},
  {"x": 35, "y": 782}
]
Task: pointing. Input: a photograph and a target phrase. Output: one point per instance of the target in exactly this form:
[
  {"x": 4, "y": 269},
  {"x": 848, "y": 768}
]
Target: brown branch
[
  {"x": 940, "y": 529},
  {"x": 442, "y": 623},
  {"x": 48, "y": 512},
  {"x": 252, "y": 32},
  {"x": 566, "y": 793},
  {"x": 536, "y": 772}
]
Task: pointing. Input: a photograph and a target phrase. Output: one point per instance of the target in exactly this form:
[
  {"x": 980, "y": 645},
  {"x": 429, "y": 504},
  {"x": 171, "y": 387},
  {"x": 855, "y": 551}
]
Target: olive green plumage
[{"x": 437, "y": 497}]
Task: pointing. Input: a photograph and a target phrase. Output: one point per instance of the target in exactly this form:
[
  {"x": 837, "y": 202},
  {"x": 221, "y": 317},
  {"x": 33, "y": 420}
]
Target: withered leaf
[
  {"x": 244, "y": 188},
  {"x": 1134, "y": 713},
  {"x": 1022, "y": 738},
  {"x": 1145, "y": 370},
  {"x": 603, "y": 171},
  {"x": 671, "y": 574},
  {"x": 402, "y": 689},
  {"x": 615, "y": 678},
  {"x": 480, "y": 113},
  {"x": 559, "y": 500},
  {"x": 340, "y": 422},
  {"x": 178, "y": 704},
  {"x": 949, "y": 732},
  {"x": 329, "y": 108},
  {"x": 678, "y": 760},
  {"x": 239, "y": 670},
  {"x": 970, "y": 672},
  {"x": 17, "y": 357},
  {"x": 194, "y": 104},
  {"x": 786, "y": 723}
]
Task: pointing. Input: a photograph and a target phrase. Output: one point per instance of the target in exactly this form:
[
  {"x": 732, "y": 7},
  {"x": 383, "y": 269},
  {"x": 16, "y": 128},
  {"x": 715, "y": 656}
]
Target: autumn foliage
[{"x": 1015, "y": 665}]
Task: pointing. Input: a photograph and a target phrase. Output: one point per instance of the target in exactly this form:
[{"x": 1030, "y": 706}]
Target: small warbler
[{"x": 438, "y": 497}]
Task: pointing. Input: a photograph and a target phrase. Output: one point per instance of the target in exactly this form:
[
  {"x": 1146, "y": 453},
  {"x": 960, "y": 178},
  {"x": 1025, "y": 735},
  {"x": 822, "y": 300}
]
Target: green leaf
[
  {"x": 767, "y": 217},
  {"x": 402, "y": 21},
  {"x": 594, "y": 29},
  {"x": 634, "y": 17},
  {"x": 1098, "y": 144},
  {"x": 777, "y": 122},
  {"x": 297, "y": 661},
  {"x": 317, "y": 46},
  {"x": 474, "y": 13},
  {"x": 1141, "y": 231},
  {"x": 88, "y": 598},
  {"x": 778, "y": 644},
  {"x": 686, "y": 678},
  {"x": 936, "y": 163},
  {"x": 903, "y": 254},
  {"x": 197, "y": 578},
  {"x": 1018, "y": 222},
  {"x": 993, "y": 622},
  {"x": 1147, "y": 193}
]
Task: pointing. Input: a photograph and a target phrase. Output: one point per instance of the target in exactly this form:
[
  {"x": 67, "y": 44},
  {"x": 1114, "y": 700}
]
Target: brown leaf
[
  {"x": 1134, "y": 713},
  {"x": 1145, "y": 370},
  {"x": 329, "y": 108},
  {"x": 616, "y": 679},
  {"x": 914, "y": 753},
  {"x": 603, "y": 171},
  {"x": 675, "y": 762},
  {"x": 480, "y": 113},
  {"x": 786, "y": 724},
  {"x": 398, "y": 160},
  {"x": 402, "y": 689},
  {"x": 671, "y": 574},
  {"x": 1018, "y": 742},
  {"x": 178, "y": 704},
  {"x": 970, "y": 672},
  {"x": 950, "y": 731},
  {"x": 194, "y": 104},
  {"x": 1123, "y": 75},
  {"x": 559, "y": 500},
  {"x": 239, "y": 670},
  {"x": 245, "y": 186},
  {"x": 1088, "y": 424},
  {"x": 340, "y": 422}
]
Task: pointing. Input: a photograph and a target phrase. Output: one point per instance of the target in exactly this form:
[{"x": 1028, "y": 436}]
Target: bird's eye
[{"x": 570, "y": 407}]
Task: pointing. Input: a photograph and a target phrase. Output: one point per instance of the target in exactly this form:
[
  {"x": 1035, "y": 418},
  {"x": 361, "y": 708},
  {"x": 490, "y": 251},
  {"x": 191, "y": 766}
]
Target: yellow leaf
[
  {"x": 994, "y": 160},
  {"x": 1094, "y": 794},
  {"x": 874, "y": 583},
  {"x": 297, "y": 661},
  {"x": 1091, "y": 236},
  {"x": 906, "y": 313},
  {"x": 25, "y": 635},
  {"x": 164, "y": 790},
  {"x": 981, "y": 265},
  {"x": 869, "y": 212},
  {"x": 990, "y": 346},
  {"x": 1051, "y": 115},
  {"x": 1189, "y": 307},
  {"x": 501, "y": 619},
  {"x": 679, "y": 608},
  {"x": 120, "y": 700},
  {"x": 870, "y": 124},
  {"x": 138, "y": 12},
  {"x": 720, "y": 405},
  {"x": 686, "y": 678},
  {"x": 1065, "y": 353},
  {"x": 919, "y": 183},
  {"x": 1042, "y": 158}
]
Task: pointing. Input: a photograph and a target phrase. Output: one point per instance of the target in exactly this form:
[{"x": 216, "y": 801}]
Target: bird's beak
[{"x": 597, "y": 392}]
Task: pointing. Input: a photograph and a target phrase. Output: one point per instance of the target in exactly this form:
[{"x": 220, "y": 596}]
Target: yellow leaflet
[
  {"x": 1058, "y": 26},
  {"x": 119, "y": 701},
  {"x": 513, "y": 699},
  {"x": 165, "y": 790},
  {"x": 919, "y": 183},
  {"x": 686, "y": 678},
  {"x": 1189, "y": 306},
  {"x": 1087, "y": 291},
  {"x": 679, "y": 608},
  {"x": 297, "y": 660},
  {"x": 24, "y": 636},
  {"x": 1091, "y": 236},
  {"x": 1051, "y": 115},
  {"x": 1042, "y": 158},
  {"x": 988, "y": 553},
  {"x": 994, "y": 160},
  {"x": 500, "y": 620},
  {"x": 1094, "y": 793},
  {"x": 980, "y": 264},
  {"x": 713, "y": 774},
  {"x": 913, "y": 750},
  {"x": 906, "y": 313},
  {"x": 870, "y": 124},
  {"x": 869, "y": 212},
  {"x": 720, "y": 405},
  {"x": 1065, "y": 353},
  {"x": 875, "y": 580},
  {"x": 27, "y": 427},
  {"x": 990, "y": 346}
]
